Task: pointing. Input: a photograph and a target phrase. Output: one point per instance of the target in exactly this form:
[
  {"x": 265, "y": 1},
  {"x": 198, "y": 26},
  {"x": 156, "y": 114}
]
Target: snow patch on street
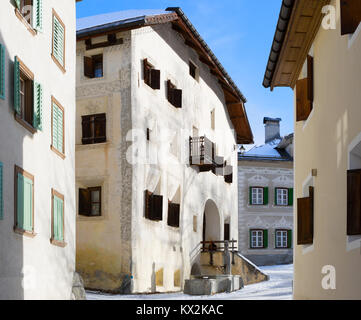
[{"x": 279, "y": 287}]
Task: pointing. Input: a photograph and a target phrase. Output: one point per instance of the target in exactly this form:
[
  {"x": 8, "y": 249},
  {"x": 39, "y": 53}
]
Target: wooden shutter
[
  {"x": 250, "y": 239},
  {"x": 177, "y": 98},
  {"x": 146, "y": 68},
  {"x": 290, "y": 197},
  {"x": 173, "y": 214},
  {"x": 310, "y": 82},
  {"x": 265, "y": 195},
  {"x": 305, "y": 219},
  {"x": 1, "y": 193},
  {"x": 20, "y": 202},
  {"x": 265, "y": 239},
  {"x": 2, "y": 72},
  {"x": 28, "y": 204},
  {"x": 289, "y": 239},
  {"x": 84, "y": 202},
  {"x": 250, "y": 196},
  {"x": 303, "y": 104},
  {"x": 58, "y": 40},
  {"x": 354, "y": 202},
  {"x": 170, "y": 91},
  {"x": 157, "y": 210},
  {"x": 17, "y": 105},
  {"x": 89, "y": 67},
  {"x": 57, "y": 128},
  {"x": 86, "y": 129},
  {"x": 229, "y": 177},
  {"x": 155, "y": 79},
  {"x": 38, "y": 15},
  {"x": 58, "y": 219},
  {"x": 17, "y": 3},
  {"x": 38, "y": 106},
  {"x": 147, "y": 204},
  {"x": 226, "y": 232},
  {"x": 100, "y": 128},
  {"x": 350, "y": 16}
]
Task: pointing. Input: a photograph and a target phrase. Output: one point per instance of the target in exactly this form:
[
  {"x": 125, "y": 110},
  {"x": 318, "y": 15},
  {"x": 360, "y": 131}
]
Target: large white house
[
  {"x": 157, "y": 127},
  {"x": 37, "y": 154}
]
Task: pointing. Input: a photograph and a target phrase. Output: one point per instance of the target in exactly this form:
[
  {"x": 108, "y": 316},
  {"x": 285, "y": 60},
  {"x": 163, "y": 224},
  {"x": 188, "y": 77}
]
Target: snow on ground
[{"x": 279, "y": 287}]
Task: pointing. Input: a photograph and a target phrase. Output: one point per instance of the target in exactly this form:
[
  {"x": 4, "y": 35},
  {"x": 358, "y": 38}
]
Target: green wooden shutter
[
  {"x": 58, "y": 128},
  {"x": 58, "y": 207},
  {"x": 2, "y": 72},
  {"x": 38, "y": 15},
  {"x": 250, "y": 238},
  {"x": 265, "y": 239},
  {"x": 265, "y": 196},
  {"x": 17, "y": 86},
  {"x": 275, "y": 196},
  {"x": 38, "y": 106},
  {"x": 290, "y": 197},
  {"x": 58, "y": 41},
  {"x": 250, "y": 195},
  {"x": 289, "y": 239},
  {"x": 17, "y": 3},
  {"x": 28, "y": 204},
  {"x": 1, "y": 193}
]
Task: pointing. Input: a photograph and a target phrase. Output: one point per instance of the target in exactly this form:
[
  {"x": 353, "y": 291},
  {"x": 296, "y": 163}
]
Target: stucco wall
[
  {"x": 273, "y": 175},
  {"x": 32, "y": 268},
  {"x": 322, "y": 143}
]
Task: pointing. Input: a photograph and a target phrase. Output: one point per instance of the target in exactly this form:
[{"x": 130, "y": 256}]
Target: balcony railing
[{"x": 202, "y": 153}]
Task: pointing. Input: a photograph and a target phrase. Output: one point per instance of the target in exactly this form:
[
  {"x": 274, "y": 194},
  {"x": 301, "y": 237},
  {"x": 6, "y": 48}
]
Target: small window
[
  {"x": 58, "y": 47},
  {"x": 24, "y": 202},
  {"x": 153, "y": 206},
  {"x": 57, "y": 131},
  {"x": 93, "y": 66},
  {"x": 57, "y": 219},
  {"x": 90, "y": 202},
  {"x": 258, "y": 239},
  {"x": 257, "y": 196},
  {"x": 213, "y": 119},
  {"x": 282, "y": 197},
  {"x": 227, "y": 232},
  {"x": 193, "y": 70},
  {"x": 30, "y": 13},
  {"x": 174, "y": 95},
  {"x": 281, "y": 239},
  {"x": 151, "y": 75},
  {"x": 27, "y": 97},
  {"x": 195, "y": 223},
  {"x": 94, "y": 129}
]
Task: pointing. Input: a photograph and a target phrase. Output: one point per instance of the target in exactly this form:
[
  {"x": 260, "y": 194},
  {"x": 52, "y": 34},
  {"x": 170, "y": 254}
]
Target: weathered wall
[
  {"x": 32, "y": 268},
  {"x": 322, "y": 143},
  {"x": 103, "y": 243},
  {"x": 273, "y": 175}
]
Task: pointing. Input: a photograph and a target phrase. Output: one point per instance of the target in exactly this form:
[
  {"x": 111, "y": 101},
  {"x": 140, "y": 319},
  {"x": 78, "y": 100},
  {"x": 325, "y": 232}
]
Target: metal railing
[
  {"x": 212, "y": 247},
  {"x": 201, "y": 151}
]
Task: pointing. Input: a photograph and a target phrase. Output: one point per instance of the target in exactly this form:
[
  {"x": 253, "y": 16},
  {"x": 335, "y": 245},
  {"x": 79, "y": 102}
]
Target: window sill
[
  {"x": 62, "y": 68},
  {"x": 26, "y": 125},
  {"x": 57, "y": 243},
  {"x": 91, "y": 146},
  {"x": 61, "y": 155},
  {"x": 25, "y": 233},
  {"x": 23, "y": 20}
]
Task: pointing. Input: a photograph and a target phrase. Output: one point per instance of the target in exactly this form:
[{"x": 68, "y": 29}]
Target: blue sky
[{"x": 240, "y": 33}]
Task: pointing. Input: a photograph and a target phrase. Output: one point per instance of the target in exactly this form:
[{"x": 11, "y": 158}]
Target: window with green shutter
[
  {"x": 265, "y": 239},
  {"x": 38, "y": 15},
  {"x": 58, "y": 50},
  {"x": 265, "y": 195},
  {"x": 57, "y": 128},
  {"x": 257, "y": 195},
  {"x": 57, "y": 224},
  {"x": 2, "y": 71},
  {"x": 1, "y": 193},
  {"x": 24, "y": 202}
]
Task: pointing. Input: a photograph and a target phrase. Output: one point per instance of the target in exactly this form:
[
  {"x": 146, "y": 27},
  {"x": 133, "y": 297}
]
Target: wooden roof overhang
[
  {"x": 234, "y": 98},
  {"x": 300, "y": 21}
]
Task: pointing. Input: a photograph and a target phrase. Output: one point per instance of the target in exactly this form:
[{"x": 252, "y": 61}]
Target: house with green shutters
[
  {"x": 37, "y": 142},
  {"x": 265, "y": 198}
]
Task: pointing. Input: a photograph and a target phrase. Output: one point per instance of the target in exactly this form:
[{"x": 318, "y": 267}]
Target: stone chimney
[{"x": 272, "y": 128}]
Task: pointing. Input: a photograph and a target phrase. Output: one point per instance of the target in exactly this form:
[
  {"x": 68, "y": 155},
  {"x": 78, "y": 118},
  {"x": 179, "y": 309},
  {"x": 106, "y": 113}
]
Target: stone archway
[{"x": 211, "y": 222}]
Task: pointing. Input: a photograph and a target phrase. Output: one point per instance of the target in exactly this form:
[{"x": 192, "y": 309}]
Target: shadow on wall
[{"x": 12, "y": 266}]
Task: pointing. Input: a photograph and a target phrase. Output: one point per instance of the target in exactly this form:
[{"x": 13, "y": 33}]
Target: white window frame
[
  {"x": 282, "y": 196},
  {"x": 257, "y": 196},
  {"x": 257, "y": 239},
  {"x": 282, "y": 239}
]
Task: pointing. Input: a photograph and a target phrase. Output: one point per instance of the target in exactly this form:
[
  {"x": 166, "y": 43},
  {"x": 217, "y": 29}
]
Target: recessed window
[
  {"x": 151, "y": 75},
  {"x": 282, "y": 197},
  {"x": 173, "y": 214},
  {"x": 93, "y": 66},
  {"x": 258, "y": 239},
  {"x": 174, "y": 95},
  {"x": 153, "y": 206},
  {"x": 283, "y": 239},
  {"x": 193, "y": 70},
  {"x": 257, "y": 196},
  {"x": 94, "y": 128},
  {"x": 90, "y": 202}
]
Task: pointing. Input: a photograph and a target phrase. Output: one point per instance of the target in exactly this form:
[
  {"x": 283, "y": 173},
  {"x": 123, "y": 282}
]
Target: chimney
[{"x": 272, "y": 128}]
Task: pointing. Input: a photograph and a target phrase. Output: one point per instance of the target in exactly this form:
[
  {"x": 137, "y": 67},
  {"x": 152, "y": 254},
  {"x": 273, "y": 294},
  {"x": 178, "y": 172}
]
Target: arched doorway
[{"x": 211, "y": 222}]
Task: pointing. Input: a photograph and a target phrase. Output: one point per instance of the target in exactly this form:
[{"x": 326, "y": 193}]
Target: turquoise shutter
[
  {"x": 58, "y": 41},
  {"x": 250, "y": 195},
  {"x": 275, "y": 197},
  {"x": 58, "y": 219},
  {"x": 38, "y": 106},
  {"x": 265, "y": 196},
  {"x": 1, "y": 193},
  {"x": 38, "y": 15},
  {"x": 2, "y": 72},
  {"x": 58, "y": 119},
  {"x": 28, "y": 205},
  {"x": 250, "y": 238},
  {"x": 20, "y": 202},
  {"x": 289, "y": 239},
  {"x": 290, "y": 197},
  {"x": 17, "y": 86},
  {"x": 17, "y": 3},
  {"x": 265, "y": 239}
]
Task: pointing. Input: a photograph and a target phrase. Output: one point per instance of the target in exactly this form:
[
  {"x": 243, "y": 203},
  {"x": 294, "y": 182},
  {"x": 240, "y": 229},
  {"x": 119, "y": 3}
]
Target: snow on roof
[{"x": 107, "y": 18}]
